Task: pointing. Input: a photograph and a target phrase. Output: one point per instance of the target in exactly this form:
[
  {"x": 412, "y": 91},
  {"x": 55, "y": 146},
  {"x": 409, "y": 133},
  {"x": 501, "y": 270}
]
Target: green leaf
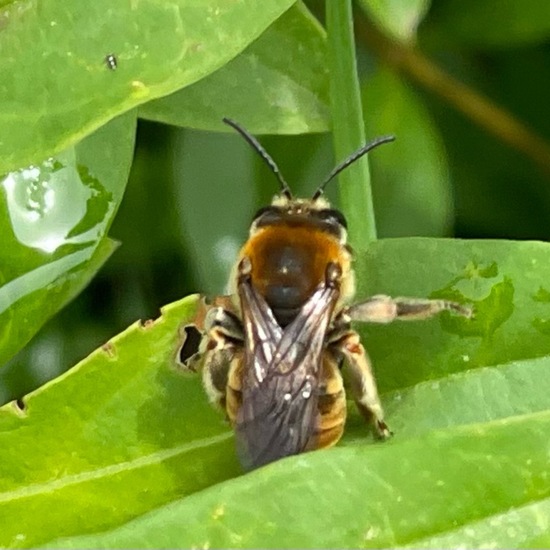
[
  {"x": 348, "y": 132},
  {"x": 467, "y": 400},
  {"x": 489, "y": 23},
  {"x": 29, "y": 300},
  {"x": 54, "y": 217},
  {"x": 119, "y": 434},
  {"x": 477, "y": 395},
  {"x": 398, "y": 18},
  {"x": 505, "y": 281},
  {"x": 286, "y": 80},
  {"x": 411, "y": 184},
  {"x": 56, "y": 86},
  {"x": 477, "y": 481}
]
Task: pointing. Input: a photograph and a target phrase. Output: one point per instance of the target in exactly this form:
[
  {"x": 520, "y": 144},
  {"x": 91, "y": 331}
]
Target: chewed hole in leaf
[
  {"x": 190, "y": 345},
  {"x": 20, "y": 406},
  {"x": 148, "y": 323}
]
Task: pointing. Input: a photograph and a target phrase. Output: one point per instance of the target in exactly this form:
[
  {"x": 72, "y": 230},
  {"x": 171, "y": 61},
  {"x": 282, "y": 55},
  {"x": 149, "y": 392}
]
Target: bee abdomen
[
  {"x": 331, "y": 420},
  {"x": 331, "y": 404}
]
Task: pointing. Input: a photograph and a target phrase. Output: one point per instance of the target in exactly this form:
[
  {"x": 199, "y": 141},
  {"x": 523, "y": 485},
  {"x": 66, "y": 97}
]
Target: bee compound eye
[
  {"x": 333, "y": 217},
  {"x": 267, "y": 215}
]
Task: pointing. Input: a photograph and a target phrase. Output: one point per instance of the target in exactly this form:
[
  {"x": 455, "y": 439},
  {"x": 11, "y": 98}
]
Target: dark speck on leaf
[{"x": 111, "y": 61}]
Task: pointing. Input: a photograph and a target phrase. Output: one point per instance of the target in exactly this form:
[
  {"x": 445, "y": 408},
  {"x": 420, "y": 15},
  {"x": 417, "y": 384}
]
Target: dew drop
[{"x": 54, "y": 203}]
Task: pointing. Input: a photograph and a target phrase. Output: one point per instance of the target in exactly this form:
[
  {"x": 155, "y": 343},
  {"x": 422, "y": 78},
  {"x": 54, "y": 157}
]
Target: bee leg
[
  {"x": 385, "y": 309},
  {"x": 224, "y": 337},
  {"x": 215, "y": 375},
  {"x": 347, "y": 343},
  {"x": 221, "y": 325}
]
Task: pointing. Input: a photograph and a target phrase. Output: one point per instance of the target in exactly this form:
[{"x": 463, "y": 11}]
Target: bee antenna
[
  {"x": 255, "y": 144},
  {"x": 350, "y": 160}
]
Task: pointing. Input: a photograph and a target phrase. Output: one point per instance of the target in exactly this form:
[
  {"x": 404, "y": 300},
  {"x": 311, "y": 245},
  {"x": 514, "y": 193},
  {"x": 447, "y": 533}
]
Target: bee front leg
[
  {"x": 346, "y": 342},
  {"x": 223, "y": 340},
  {"x": 385, "y": 309}
]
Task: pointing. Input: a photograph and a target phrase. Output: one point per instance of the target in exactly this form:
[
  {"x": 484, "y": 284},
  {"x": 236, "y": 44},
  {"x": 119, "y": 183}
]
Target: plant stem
[
  {"x": 471, "y": 103},
  {"x": 347, "y": 123}
]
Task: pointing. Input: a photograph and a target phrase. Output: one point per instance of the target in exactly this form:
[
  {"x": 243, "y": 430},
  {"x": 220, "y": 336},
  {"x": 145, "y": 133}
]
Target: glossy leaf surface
[{"x": 54, "y": 217}]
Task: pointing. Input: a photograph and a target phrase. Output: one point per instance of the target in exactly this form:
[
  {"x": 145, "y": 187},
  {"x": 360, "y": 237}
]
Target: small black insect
[{"x": 111, "y": 61}]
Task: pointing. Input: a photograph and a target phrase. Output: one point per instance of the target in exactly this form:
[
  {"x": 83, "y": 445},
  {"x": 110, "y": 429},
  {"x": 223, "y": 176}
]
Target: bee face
[
  {"x": 316, "y": 214},
  {"x": 273, "y": 349}
]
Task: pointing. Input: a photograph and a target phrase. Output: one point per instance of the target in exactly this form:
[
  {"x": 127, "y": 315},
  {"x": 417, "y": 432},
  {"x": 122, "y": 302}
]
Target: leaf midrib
[{"x": 113, "y": 469}]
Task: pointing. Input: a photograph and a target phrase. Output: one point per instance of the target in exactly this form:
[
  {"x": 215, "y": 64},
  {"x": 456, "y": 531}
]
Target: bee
[{"x": 272, "y": 351}]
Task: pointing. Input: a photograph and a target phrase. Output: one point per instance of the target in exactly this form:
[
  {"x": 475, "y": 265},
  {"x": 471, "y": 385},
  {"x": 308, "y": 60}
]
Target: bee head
[{"x": 287, "y": 210}]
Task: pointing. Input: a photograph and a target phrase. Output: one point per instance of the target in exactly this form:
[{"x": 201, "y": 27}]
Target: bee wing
[
  {"x": 262, "y": 332},
  {"x": 279, "y": 407}
]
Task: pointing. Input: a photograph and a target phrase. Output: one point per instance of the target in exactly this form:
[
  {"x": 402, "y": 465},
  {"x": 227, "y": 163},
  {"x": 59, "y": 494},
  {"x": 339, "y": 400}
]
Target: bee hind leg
[
  {"x": 223, "y": 341},
  {"x": 221, "y": 325},
  {"x": 361, "y": 377},
  {"x": 385, "y": 309},
  {"x": 343, "y": 340}
]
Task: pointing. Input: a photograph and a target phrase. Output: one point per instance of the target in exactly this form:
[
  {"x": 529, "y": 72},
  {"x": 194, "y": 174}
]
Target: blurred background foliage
[{"x": 463, "y": 84}]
